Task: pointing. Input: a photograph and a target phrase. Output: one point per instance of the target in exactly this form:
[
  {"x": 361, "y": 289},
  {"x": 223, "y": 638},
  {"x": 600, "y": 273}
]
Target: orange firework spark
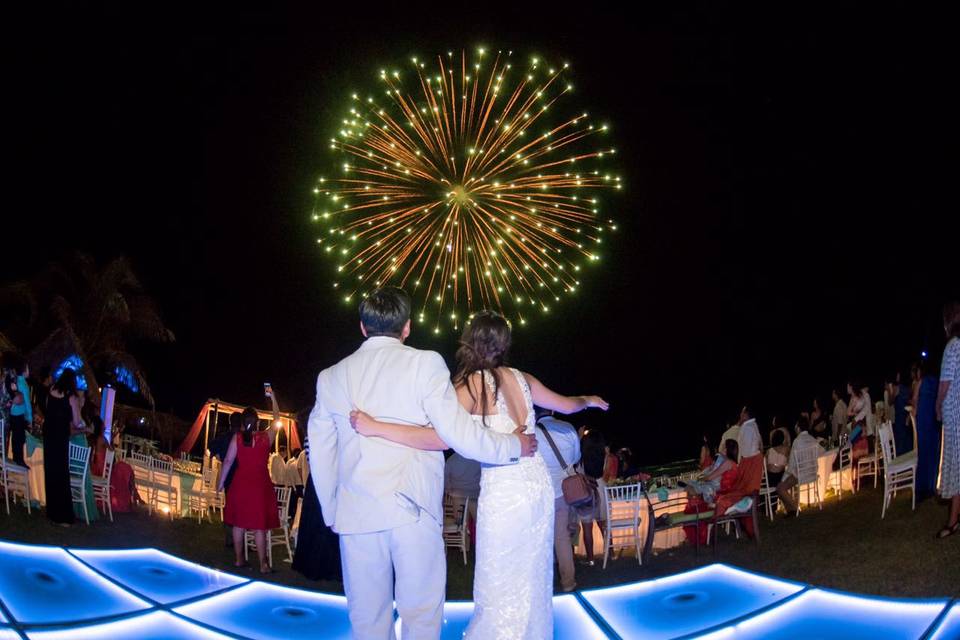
[{"x": 459, "y": 187}]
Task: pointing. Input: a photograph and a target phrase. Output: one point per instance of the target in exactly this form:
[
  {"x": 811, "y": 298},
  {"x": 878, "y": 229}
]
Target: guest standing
[
  {"x": 61, "y": 416},
  {"x": 928, "y": 428},
  {"x": 948, "y": 411},
  {"x": 21, "y": 409},
  {"x": 593, "y": 449},
  {"x": 317, "y": 555},
  {"x": 838, "y": 420},
  {"x": 558, "y": 437},
  {"x": 251, "y": 501}
]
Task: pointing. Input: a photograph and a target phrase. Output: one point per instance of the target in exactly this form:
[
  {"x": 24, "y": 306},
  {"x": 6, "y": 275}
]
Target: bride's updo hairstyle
[{"x": 483, "y": 347}]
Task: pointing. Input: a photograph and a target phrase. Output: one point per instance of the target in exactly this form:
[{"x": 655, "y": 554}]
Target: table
[{"x": 667, "y": 539}]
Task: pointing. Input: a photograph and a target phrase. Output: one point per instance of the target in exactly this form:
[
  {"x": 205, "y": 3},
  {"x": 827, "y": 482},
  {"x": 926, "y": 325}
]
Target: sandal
[{"x": 948, "y": 530}]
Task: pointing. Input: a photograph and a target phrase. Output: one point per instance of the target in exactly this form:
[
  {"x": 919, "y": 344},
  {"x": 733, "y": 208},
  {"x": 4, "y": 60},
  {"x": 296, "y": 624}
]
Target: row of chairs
[{"x": 155, "y": 477}]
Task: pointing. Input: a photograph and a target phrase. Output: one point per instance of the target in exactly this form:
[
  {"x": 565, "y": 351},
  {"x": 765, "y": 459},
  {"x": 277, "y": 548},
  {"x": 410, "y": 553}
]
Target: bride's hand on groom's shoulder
[{"x": 362, "y": 423}]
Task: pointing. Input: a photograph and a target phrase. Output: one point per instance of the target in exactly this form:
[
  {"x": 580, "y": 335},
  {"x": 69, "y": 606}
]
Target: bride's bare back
[{"x": 512, "y": 395}]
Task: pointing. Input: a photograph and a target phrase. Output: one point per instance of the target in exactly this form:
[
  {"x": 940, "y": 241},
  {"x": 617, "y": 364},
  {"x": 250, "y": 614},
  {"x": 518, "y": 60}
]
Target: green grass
[{"x": 846, "y": 546}]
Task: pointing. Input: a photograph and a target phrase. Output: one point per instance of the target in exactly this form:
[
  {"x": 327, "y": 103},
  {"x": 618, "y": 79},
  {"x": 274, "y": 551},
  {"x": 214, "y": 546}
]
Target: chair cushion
[
  {"x": 682, "y": 518},
  {"x": 742, "y": 506},
  {"x": 13, "y": 467}
]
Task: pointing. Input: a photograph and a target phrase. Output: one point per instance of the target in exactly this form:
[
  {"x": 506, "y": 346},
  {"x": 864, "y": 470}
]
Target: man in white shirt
[
  {"x": 748, "y": 436},
  {"x": 803, "y": 443},
  {"x": 386, "y": 499},
  {"x": 564, "y": 436},
  {"x": 732, "y": 433}
]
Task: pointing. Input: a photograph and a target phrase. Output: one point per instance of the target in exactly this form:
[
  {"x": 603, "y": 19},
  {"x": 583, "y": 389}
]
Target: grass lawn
[{"x": 846, "y": 546}]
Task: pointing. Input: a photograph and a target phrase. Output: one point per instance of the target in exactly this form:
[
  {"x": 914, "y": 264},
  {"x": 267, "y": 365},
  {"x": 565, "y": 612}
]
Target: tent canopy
[{"x": 288, "y": 423}]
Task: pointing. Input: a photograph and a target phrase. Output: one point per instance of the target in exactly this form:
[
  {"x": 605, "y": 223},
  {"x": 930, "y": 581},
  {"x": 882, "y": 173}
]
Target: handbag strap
[{"x": 556, "y": 451}]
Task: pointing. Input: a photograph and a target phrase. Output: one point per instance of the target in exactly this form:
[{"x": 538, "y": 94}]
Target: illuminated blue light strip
[
  {"x": 213, "y": 605},
  {"x": 687, "y": 603},
  {"x": 156, "y": 625},
  {"x": 39, "y": 586},
  {"x": 947, "y": 625},
  {"x": 828, "y": 614},
  {"x": 157, "y": 576}
]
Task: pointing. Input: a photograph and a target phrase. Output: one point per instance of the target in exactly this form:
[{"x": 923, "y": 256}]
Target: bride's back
[{"x": 516, "y": 403}]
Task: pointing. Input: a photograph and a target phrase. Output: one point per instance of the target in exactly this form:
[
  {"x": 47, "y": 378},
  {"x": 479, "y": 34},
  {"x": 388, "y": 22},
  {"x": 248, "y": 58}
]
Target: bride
[{"x": 513, "y": 582}]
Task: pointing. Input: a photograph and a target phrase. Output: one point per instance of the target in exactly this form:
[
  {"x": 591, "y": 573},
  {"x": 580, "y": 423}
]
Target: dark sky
[{"x": 789, "y": 216}]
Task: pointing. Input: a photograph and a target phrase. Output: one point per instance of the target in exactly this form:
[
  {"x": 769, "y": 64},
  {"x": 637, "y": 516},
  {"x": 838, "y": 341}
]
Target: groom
[{"x": 385, "y": 499}]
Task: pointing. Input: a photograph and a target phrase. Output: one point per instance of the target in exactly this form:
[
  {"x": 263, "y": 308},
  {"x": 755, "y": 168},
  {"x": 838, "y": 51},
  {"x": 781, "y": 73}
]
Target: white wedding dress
[{"x": 513, "y": 582}]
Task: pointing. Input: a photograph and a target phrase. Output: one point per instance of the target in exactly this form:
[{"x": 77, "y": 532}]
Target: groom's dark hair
[{"x": 385, "y": 311}]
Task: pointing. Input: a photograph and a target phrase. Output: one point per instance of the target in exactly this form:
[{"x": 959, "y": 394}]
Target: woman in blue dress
[{"x": 928, "y": 429}]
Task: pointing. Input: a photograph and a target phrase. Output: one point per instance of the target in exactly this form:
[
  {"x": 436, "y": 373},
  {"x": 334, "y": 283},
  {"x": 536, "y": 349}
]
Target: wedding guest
[
  {"x": 924, "y": 403},
  {"x": 948, "y": 412},
  {"x": 899, "y": 397},
  {"x": 778, "y": 427},
  {"x": 858, "y": 413},
  {"x": 551, "y": 433},
  {"x": 819, "y": 424},
  {"x": 803, "y": 444},
  {"x": 709, "y": 482},
  {"x": 749, "y": 442},
  {"x": 251, "y": 501},
  {"x": 776, "y": 459},
  {"x": 593, "y": 457},
  {"x": 21, "y": 409},
  {"x": 62, "y": 415},
  {"x": 838, "y": 420},
  {"x": 732, "y": 433},
  {"x": 317, "y": 555},
  {"x": 611, "y": 465},
  {"x": 628, "y": 466}
]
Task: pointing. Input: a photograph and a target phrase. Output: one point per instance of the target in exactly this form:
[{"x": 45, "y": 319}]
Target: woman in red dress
[{"x": 251, "y": 501}]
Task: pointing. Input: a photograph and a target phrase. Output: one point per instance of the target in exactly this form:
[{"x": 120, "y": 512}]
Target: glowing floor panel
[
  {"x": 826, "y": 615},
  {"x": 262, "y": 610},
  {"x": 158, "y": 625},
  {"x": 45, "y": 585},
  {"x": 570, "y": 620},
  {"x": 949, "y": 627},
  {"x": 50, "y": 593},
  {"x": 686, "y": 603},
  {"x": 157, "y": 575}
]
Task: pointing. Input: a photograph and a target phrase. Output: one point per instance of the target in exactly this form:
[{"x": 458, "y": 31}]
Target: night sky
[{"x": 789, "y": 215}]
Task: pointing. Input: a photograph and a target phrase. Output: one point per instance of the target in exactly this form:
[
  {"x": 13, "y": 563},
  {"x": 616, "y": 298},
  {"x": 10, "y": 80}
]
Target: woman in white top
[{"x": 513, "y": 583}]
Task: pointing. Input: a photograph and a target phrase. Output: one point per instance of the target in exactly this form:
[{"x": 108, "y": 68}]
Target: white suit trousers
[{"x": 406, "y": 564}]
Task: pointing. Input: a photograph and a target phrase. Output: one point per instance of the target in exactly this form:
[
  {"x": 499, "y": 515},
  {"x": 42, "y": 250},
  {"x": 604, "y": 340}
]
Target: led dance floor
[{"x": 51, "y": 593}]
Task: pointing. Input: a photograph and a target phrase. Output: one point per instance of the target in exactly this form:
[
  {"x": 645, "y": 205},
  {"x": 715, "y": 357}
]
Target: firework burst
[{"x": 457, "y": 183}]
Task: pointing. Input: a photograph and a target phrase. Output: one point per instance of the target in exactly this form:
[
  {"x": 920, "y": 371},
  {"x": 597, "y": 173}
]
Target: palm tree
[{"x": 94, "y": 312}]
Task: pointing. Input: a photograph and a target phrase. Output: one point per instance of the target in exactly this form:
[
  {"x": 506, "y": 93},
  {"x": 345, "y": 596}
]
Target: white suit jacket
[{"x": 370, "y": 484}]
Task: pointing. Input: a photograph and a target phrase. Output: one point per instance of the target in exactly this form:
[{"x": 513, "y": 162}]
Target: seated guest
[
  {"x": 838, "y": 419},
  {"x": 748, "y": 437},
  {"x": 819, "y": 424},
  {"x": 557, "y": 433},
  {"x": 803, "y": 444},
  {"x": 611, "y": 465},
  {"x": 731, "y": 433},
  {"x": 123, "y": 487},
  {"x": 709, "y": 481},
  {"x": 777, "y": 426},
  {"x": 628, "y": 468},
  {"x": 777, "y": 459},
  {"x": 706, "y": 458}
]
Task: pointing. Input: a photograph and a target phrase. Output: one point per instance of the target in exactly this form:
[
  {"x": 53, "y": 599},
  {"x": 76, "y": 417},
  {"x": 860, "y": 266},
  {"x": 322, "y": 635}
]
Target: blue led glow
[
  {"x": 53, "y": 594},
  {"x": 949, "y": 627},
  {"x": 271, "y": 612},
  {"x": 826, "y": 615},
  {"x": 158, "y": 625},
  {"x": 687, "y": 603},
  {"x": 157, "y": 575},
  {"x": 42, "y": 585},
  {"x": 126, "y": 378},
  {"x": 76, "y": 364},
  {"x": 570, "y": 620}
]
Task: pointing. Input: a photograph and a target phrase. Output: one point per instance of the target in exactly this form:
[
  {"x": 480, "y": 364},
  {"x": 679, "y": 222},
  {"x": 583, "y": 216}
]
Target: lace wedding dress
[{"x": 513, "y": 582}]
